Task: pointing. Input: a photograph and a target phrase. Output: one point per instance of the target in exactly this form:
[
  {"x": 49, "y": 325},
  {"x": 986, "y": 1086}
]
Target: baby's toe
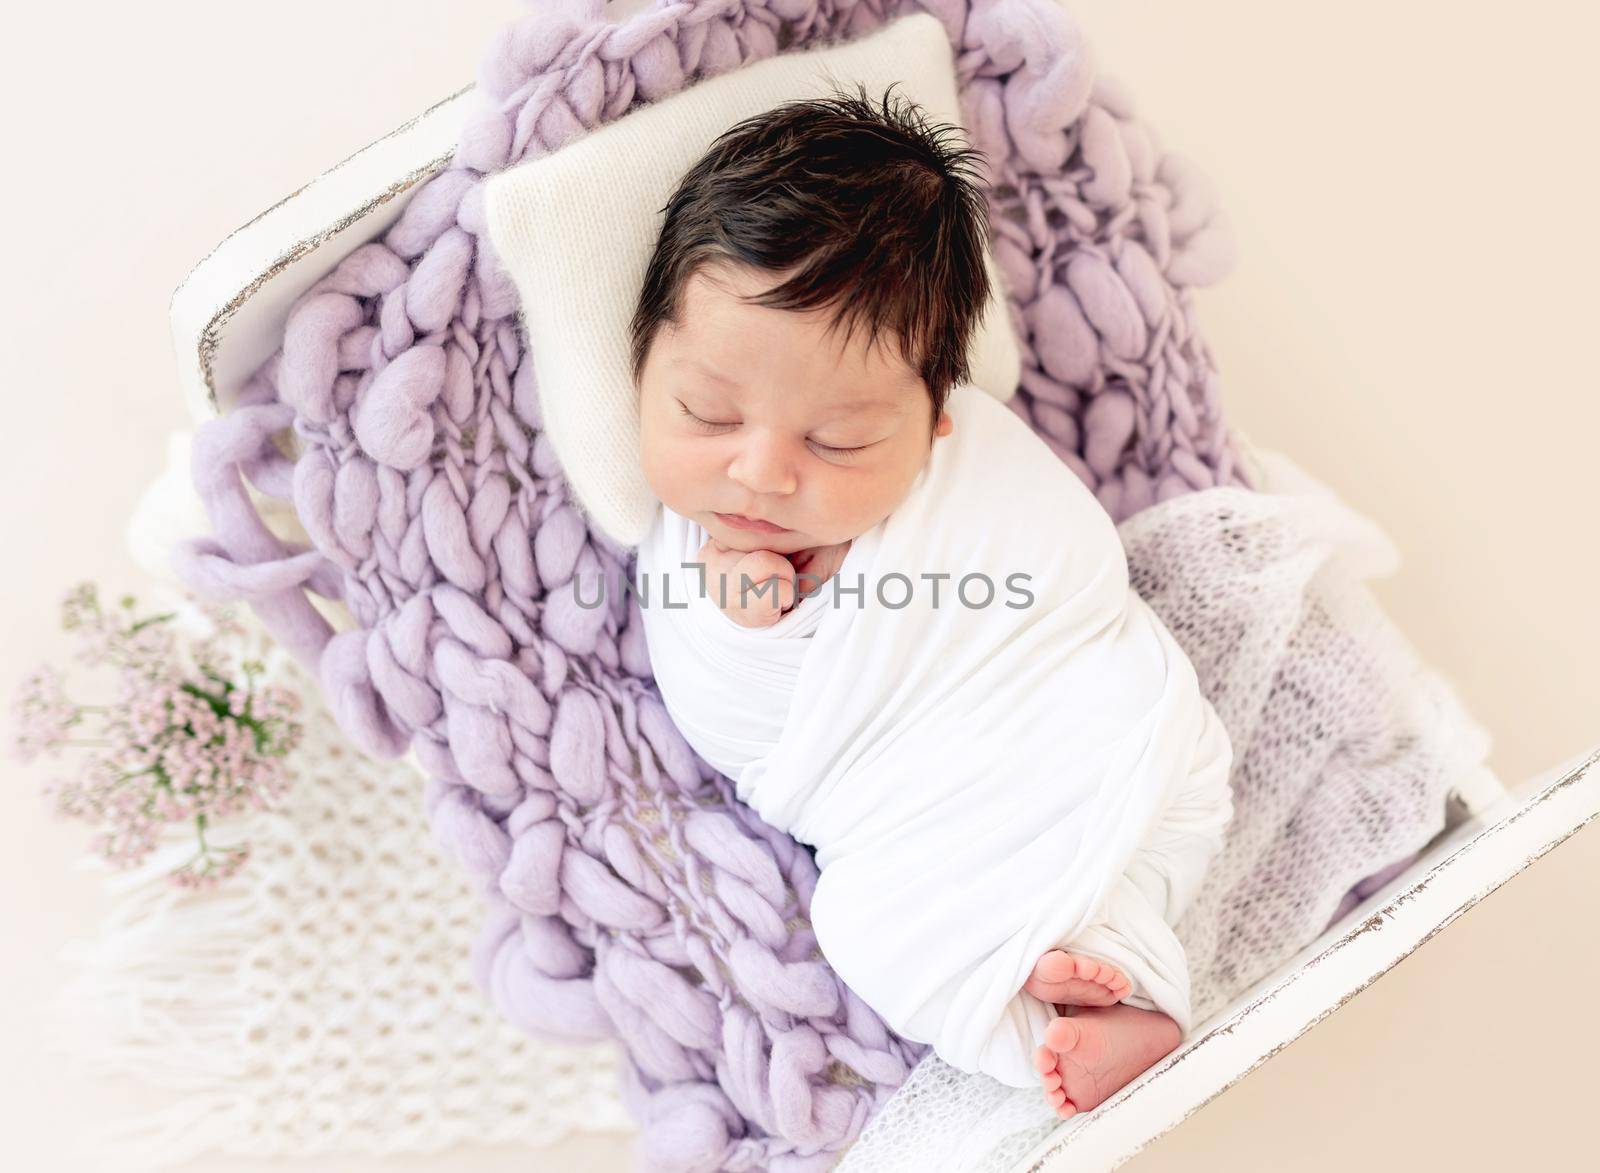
[
  {"x": 1056, "y": 966},
  {"x": 1061, "y": 1035}
]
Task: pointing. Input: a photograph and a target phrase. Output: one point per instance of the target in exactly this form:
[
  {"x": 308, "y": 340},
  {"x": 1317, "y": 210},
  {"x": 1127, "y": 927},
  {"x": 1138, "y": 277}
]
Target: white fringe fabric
[{"x": 319, "y": 1002}]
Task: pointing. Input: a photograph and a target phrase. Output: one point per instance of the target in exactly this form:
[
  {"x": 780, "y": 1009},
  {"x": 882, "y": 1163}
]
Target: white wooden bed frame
[{"x": 228, "y": 317}]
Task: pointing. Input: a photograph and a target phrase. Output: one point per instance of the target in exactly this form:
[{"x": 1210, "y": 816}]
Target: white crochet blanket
[
  {"x": 1346, "y": 748},
  {"x": 321, "y": 1002},
  {"x": 994, "y": 745}
]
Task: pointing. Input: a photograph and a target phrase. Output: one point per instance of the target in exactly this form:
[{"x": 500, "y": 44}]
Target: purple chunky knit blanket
[{"x": 629, "y": 894}]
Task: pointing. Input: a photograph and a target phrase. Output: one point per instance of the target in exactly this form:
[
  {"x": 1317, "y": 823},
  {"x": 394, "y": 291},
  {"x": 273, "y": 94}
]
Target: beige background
[{"x": 1410, "y": 318}]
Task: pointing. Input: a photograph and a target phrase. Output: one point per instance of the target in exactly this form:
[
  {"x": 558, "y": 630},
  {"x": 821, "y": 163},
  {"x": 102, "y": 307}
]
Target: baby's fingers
[
  {"x": 761, "y": 565},
  {"x": 765, "y": 580}
]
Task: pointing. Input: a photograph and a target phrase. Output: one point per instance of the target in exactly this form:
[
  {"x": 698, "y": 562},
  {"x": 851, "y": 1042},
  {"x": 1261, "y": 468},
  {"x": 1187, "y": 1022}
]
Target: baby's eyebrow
[
  {"x": 863, "y": 407},
  {"x": 707, "y": 372}
]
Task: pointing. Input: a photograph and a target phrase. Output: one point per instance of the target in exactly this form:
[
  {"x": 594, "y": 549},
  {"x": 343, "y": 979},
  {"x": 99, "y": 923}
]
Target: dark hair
[{"x": 874, "y": 207}]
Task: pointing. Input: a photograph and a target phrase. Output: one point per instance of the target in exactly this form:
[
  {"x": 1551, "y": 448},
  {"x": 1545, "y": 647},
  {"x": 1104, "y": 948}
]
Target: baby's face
[{"x": 754, "y": 411}]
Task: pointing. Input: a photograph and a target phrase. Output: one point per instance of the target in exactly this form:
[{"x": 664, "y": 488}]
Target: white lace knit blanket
[{"x": 1346, "y": 749}]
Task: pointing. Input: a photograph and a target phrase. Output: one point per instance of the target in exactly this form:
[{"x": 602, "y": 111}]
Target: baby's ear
[{"x": 945, "y": 424}]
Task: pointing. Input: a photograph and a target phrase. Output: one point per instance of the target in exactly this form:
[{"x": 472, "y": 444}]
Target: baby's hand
[{"x": 741, "y": 583}]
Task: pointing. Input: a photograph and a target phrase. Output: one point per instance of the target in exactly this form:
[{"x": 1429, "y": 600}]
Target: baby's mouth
[{"x": 751, "y": 524}]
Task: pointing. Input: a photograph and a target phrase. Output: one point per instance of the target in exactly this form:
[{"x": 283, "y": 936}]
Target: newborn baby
[{"x": 1013, "y": 793}]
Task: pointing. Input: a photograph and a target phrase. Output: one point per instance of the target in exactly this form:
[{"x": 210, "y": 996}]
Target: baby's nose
[{"x": 764, "y": 465}]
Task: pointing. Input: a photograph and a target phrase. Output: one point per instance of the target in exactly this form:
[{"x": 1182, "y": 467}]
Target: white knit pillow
[{"x": 575, "y": 230}]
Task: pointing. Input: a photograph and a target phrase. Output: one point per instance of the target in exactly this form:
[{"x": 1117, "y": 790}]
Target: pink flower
[
  {"x": 190, "y": 737},
  {"x": 42, "y": 713}
]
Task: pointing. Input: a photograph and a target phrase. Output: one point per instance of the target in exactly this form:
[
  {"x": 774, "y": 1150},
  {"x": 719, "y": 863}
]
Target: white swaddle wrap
[{"x": 983, "y": 778}]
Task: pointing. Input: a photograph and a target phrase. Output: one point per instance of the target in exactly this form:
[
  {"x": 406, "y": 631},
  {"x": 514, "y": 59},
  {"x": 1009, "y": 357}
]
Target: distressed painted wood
[
  {"x": 1466, "y": 864},
  {"x": 228, "y": 315}
]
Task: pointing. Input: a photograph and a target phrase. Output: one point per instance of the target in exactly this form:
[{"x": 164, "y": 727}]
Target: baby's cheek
[
  {"x": 858, "y": 507},
  {"x": 662, "y": 471}
]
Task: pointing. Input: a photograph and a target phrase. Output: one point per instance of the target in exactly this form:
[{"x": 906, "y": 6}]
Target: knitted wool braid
[{"x": 629, "y": 893}]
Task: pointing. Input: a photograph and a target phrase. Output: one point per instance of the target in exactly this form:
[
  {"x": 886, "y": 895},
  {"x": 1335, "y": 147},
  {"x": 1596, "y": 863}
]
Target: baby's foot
[
  {"x": 1071, "y": 980},
  {"x": 1086, "y": 1058}
]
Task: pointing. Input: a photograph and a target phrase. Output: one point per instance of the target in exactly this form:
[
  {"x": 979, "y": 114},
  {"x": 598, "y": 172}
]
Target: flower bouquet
[{"x": 188, "y": 735}]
